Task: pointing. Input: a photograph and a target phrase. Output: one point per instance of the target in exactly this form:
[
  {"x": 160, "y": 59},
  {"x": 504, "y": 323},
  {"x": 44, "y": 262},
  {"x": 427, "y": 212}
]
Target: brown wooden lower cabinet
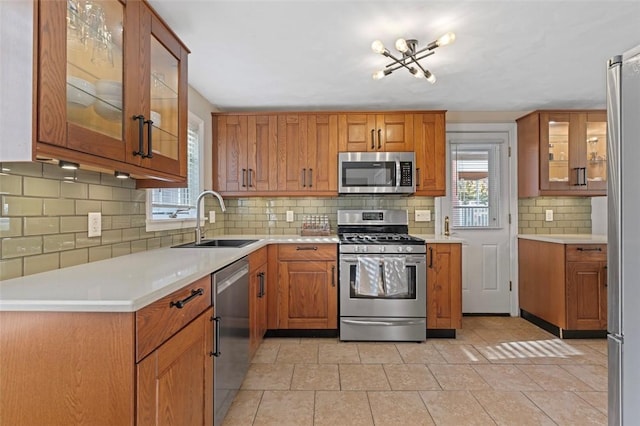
[
  {"x": 258, "y": 274},
  {"x": 307, "y": 286},
  {"x": 444, "y": 286},
  {"x": 564, "y": 284},
  {"x": 68, "y": 368}
]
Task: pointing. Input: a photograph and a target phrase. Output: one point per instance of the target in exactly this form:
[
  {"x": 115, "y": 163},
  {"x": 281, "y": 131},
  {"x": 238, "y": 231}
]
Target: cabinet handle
[
  {"x": 261, "y": 286},
  {"x": 373, "y": 137},
  {"x": 314, "y": 248},
  {"x": 418, "y": 176},
  {"x": 216, "y": 350},
  {"x": 583, "y": 181},
  {"x": 149, "y": 153},
  {"x": 244, "y": 178},
  {"x": 249, "y": 177},
  {"x": 180, "y": 303},
  {"x": 304, "y": 178},
  {"x": 310, "y": 178},
  {"x": 590, "y": 249},
  {"x": 333, "y": 275},
  {"x": 430, "y": 257},
  {"x": 140, "y": 150},
  {"x": 379, "y": 138},
  {"x": 584, "y": 176}
]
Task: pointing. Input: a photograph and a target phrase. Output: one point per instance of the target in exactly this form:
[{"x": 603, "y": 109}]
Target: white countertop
[
  {"x": 566, "y": 238},
  {"x": 127, "y": 283}
]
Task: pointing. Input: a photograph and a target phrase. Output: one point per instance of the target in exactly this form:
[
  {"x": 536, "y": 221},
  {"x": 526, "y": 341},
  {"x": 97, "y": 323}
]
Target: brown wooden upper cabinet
[
  {"x": 562, "y": 153},
  {"x": 284, "y": 154},
  {"x": 429, "y": 146},
  {"x": 111, "y": 88},
  {"x": 361, "y": 132}
]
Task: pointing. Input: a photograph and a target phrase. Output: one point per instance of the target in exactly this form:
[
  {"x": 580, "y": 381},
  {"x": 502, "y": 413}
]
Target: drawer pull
[
  {"x": 589, "y": 249},
  {"x": 307, "y": 248},
  {"x": 180, "y": 303}
]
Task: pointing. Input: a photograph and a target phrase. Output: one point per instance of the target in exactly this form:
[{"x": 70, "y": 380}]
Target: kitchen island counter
[{"x": 128, "y": 283}]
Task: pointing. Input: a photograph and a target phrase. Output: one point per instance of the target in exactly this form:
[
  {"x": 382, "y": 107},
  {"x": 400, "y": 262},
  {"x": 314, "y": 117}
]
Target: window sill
[{"x": 165, "y": 225}]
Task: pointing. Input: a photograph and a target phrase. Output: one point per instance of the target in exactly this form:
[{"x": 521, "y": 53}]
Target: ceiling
[{"x": 316, "y": 55}]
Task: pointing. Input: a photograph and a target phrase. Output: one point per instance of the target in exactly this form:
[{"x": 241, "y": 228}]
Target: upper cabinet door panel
[{"x": 80, "y": 76}]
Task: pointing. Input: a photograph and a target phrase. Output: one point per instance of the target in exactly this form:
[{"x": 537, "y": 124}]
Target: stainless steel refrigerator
[{"x": 623, "y": 133}]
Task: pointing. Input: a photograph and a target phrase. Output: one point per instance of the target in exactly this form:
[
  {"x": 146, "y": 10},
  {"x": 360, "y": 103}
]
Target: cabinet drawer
[
  {"x": 307, "y": 252},
  {"x": 257, "y": 258},
  {"x": 586, "y": 252},
  {"x": 165, "y": 317}
]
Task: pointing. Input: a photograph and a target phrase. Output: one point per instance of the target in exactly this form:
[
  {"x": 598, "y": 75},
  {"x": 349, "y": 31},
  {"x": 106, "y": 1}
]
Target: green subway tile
[
  {"x": 41, "y": 225},
  {"x": 112, "y": 236},
  {"x": 87, "y": 176},
  {"x": 166, "y": 241},
  {"x": 24, "y": 169},
  {"x": 107, "y": 223},
  {"x": 10, "y": 184},
  {"x": 130, "y": 234},
  {"x": 120, "y": 249},
  {"x": 139, "y": 195},
  {"x": 41, "y": 263},
  {"x": 59, "y": 242},
  {"x": 74, "y": 257},
  {"x": 110, "y": 180},
  {"x": 74, "y": 224},
  {"x": 153, "y": 243},
  {"x": 10, "y": 227},
  {"x": 122, "y": 194},
  {"x": 100, "y": 192},
  {"x": 21, "y": 246},
  {"x": 58, "y": 207},
  {"x": 83, "y": 240},
  {"x": 74, "y": 190},
  {"x": 84, "y": 207},
  {"x": 99, "y": 253},
  {"x": 119, "y": 222},
  {"x": 53, "y": 171},
  {"x": 21, "y": 206},
  {"x": 138, "y": 246},
  {"x": 10, "y": 268},
  {"x": 37, "y": 187}
]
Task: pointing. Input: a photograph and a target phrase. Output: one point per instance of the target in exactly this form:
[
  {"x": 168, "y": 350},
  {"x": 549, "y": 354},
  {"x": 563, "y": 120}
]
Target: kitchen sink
[{"x": 218, "y": 243}]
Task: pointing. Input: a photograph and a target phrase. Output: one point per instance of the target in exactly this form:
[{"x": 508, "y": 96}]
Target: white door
[{"x": 477, "y": 204}]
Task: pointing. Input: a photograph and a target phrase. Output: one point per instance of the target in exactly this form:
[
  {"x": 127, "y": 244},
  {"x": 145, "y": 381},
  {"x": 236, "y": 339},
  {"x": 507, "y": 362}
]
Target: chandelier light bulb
[
  {"x": 430, "y": 77},
  {"x": 378, "y": 75},
  {"x": 416, "y": 73},
  {"x": 448, "y": 38},
  {"x": 378, "y": 47},
  {"x": 401, "y": 45}
]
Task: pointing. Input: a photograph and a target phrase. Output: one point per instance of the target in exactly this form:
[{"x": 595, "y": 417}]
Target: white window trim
[{"x": 177, "y": 223}]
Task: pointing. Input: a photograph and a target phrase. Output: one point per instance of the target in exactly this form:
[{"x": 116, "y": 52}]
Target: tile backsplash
[
  {"x": 571, "y": 215},
  {"x": 43, "y": 219}
]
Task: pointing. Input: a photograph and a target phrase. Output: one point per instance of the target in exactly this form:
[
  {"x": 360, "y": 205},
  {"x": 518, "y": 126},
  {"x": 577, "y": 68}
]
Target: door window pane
[{"x": 475, "y": 186}]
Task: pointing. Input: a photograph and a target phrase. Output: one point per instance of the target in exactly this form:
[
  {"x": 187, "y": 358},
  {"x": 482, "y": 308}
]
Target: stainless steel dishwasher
[{"x": 231, "y": 302}]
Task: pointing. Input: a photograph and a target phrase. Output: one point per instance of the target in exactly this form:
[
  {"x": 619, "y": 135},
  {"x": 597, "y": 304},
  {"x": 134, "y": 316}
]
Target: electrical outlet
[
  {"x": 548, "y": 215},
  {"x": 423, "y": 215},
  {"x": 95, "y": 224},
  {"x": 289, "y": 215},
  {"x": 212, "y": 216}
]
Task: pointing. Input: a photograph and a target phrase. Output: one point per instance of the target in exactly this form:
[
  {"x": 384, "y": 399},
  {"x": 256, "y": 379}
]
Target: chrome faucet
[{"x": 199, "y": 232}]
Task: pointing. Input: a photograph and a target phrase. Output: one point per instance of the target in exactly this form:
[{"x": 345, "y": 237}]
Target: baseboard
[
  {"x": 560, "y": 332},
  {"x": 441, "y": 333},
  {"x": 489, "y": 314}
]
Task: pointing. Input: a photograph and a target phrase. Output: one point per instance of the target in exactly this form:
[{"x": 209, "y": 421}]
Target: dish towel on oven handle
[
  {"x": 369, "y": 277},
  {"x": 395, "y": 276}
]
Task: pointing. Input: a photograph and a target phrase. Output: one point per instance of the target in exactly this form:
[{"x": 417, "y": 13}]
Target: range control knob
[
  {"x": 382, "y": 249},
  {"x": 399, "y": 249},
  {"x": 409, "y": 249}
]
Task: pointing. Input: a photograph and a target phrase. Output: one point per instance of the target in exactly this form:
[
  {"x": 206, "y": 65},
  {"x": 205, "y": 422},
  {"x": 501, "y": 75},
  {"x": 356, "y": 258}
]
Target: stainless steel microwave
[{"x": 376, "y": 173}]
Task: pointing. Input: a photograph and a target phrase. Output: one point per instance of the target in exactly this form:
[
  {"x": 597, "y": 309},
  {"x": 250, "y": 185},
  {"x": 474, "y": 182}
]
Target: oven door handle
[
  {"x": 410, "y": 260},
  {"x": 364, "y": 322}
]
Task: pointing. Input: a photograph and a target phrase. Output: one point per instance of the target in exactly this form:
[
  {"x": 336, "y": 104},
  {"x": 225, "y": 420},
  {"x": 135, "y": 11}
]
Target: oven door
[{"x": 376, "y": 285}]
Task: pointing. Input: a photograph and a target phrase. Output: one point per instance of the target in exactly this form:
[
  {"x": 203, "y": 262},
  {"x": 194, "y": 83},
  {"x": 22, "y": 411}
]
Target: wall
[{"x": 571, "y": 215}]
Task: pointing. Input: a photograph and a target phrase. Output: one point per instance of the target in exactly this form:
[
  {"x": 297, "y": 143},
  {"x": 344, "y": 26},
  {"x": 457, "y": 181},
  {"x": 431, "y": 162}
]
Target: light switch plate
[
  {"x": 289, "y": 215},
  {"x": 548, "y": 215},
  {"x": 94, "y": 228},
  {"x": 212, "y": 216},
  {"x": 423, "y": 215}
]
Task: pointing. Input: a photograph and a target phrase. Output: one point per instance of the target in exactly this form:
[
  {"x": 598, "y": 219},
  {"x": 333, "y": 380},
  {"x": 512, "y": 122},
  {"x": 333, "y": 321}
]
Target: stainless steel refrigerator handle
[{"x": 397, "y": 323}]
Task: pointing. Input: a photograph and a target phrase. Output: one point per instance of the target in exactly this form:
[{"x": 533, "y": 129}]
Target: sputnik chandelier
[{"x": 410, "y": 56}]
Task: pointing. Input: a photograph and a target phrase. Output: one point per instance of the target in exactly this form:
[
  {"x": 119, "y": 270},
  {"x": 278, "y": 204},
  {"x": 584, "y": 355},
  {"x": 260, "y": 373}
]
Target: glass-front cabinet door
[
  {"x": 163, "y": 99},
  {"x": 81, "y": 76},
  {"x": 573, "y": 147}
]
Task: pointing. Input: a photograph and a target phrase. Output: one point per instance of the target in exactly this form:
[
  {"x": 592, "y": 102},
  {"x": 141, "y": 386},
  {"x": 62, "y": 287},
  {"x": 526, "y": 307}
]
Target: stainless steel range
[{"x": 383, "y": 277}]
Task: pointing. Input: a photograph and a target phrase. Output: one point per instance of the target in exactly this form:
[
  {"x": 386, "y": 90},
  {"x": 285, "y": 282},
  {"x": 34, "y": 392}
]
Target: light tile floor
[{"x": 498, "y": 371}]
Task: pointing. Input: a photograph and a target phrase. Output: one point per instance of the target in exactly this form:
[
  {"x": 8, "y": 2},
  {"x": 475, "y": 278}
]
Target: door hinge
[
  {"x": 510, "y": 285},
  {"x": 509, "y": 218},
  {"x": 509, "y": 151}
]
